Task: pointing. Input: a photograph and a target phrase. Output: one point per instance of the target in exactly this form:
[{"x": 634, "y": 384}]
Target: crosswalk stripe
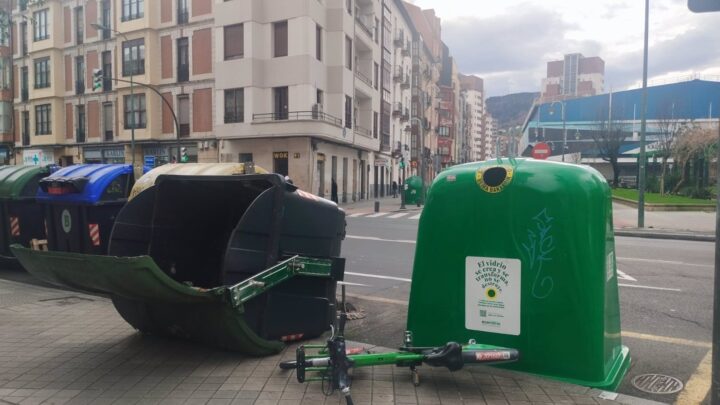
[
  {"x": 359, "y": 214},
  {"x": 400, "y": 215},
  {"x": 415, "y": 217},
  {"x": 378, "y": 215}
]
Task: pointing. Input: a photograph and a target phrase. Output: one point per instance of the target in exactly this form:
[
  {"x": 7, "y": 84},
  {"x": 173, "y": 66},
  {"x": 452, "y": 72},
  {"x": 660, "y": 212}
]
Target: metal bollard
[
  {"x": 377, "y": 206},
  {"x": 402, "y": 201}
]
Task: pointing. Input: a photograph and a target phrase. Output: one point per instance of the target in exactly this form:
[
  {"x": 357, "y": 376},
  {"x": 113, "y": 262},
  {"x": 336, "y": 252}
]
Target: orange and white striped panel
[
  {"x": 15, "y": 226},
  {"x": 94, "y": 234},
  {"x": 292, "y": 338}
]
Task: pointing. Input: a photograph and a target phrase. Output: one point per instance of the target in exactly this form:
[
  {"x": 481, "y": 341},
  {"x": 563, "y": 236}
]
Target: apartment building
[
  {"x": 426, "y": 60},
  {"x": 573, "y": 76},
  {"x": 323, "y": 91},
  {"x": 6, "y": 80},
  {"x": 162, "y": 47},
  {"x": 476, "y": 117},
  {"x": 299, "y": 82},
  {"x": 400, "y": 93},
  {"x": 447, "y": 110}
]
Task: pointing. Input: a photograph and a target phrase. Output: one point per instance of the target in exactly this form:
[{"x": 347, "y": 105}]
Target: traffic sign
[{"x": 541, "y": 151}]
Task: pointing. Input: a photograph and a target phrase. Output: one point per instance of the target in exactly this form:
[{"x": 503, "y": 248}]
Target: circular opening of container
[{"x": 495, "y": 176}]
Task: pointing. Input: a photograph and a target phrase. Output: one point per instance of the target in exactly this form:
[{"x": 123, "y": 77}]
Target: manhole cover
[
  {"x": 354, "y": 313},
  {"x": 657, "y": 384}
]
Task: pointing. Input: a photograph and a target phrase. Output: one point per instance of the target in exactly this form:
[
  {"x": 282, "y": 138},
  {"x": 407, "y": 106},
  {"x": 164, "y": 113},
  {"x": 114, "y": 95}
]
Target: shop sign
[{"x": 38, "y": 157}]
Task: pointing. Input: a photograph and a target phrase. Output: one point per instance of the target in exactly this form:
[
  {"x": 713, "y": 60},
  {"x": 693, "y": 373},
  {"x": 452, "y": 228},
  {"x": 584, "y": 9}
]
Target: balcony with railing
[
  {"x": 80, "y": 135},
  {"x": 363, "y": 77},
  {"x": 398, "y": 74},
  {"x": 397, "y": 109},
  {"x": 406, "y": 49},
  {"x": 399, "y": 40},
  {"x": 25, "y": 136},
  {"x": 366, "y": 22},
  {"x": 385, "y": 143},
  {"x": 405, "y": 117},
  {"x": 405, "y": 83},
  {"x": 108, "y": 135},
  {"x": 24, "y": 95},
  {"x": 79, "y": 87},
  {"x": 296, "y": 116},
  {"x": 360, "y": 130},
  {"x": 184, "y": 130}
]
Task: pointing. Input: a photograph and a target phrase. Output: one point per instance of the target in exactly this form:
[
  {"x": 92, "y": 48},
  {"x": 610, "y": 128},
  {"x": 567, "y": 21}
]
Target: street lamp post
[
  {"x": 562, "y": 112},
  {"x": 132, "y": 85},
  {"x": 132, "y": 92}
]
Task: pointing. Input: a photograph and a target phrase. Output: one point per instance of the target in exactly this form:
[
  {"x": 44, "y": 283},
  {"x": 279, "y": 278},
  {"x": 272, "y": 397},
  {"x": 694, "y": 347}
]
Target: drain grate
[{"x": 657, "y": 384}]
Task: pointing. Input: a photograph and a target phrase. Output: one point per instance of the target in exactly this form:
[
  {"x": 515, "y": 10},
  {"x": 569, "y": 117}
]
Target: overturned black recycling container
[
  {"x": 242, "y": 262},
  {"x": 21, "y": 218},
  {"x": 81, "y": 203}
]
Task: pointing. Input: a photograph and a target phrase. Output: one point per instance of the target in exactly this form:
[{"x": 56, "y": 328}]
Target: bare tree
[
  {"x": 668, "y": 130},
  {"x": 608, "y": 136},
  {"x": 692, "y": 142}
]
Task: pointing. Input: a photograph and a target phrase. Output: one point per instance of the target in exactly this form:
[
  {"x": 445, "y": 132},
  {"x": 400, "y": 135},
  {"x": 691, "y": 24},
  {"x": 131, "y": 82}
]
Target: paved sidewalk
[{"x": 61, "y": 347}]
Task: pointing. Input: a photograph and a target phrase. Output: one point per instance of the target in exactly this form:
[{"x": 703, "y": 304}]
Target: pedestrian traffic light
[
  {"x": 402, "y": 163},
  {"x": 97, "y": 79},
  {"x": 183, "y": 155}
]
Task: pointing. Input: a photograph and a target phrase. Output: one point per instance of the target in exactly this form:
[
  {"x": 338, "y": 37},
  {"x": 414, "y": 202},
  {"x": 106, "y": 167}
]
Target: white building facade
[{"x": 297, "y": 90}]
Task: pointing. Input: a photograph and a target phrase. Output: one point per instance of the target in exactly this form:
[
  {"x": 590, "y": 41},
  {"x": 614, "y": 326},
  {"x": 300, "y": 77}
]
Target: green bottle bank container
[{"x": 528, "y": 262}]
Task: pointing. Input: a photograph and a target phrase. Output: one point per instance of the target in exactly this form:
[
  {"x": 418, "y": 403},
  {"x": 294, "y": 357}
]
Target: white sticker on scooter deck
[{"x": 492, "y": 295}]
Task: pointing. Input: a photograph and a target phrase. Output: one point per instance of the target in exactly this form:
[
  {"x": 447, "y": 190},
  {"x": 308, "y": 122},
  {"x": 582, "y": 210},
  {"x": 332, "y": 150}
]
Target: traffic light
[
  {"x": 183, "y": 155},
  {"x": 97, "y": 79}
]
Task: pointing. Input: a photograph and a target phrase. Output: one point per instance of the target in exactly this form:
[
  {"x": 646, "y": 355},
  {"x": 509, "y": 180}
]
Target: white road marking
[
  {"x": 412, "y": 242},
  {"x": 415, "y": 217},
  {"x": 647, "y": 287},
  {"x": 353, "y": 284},
  {"x": 378, "y": 215},
  {"x": 623, "y": 276},
  {"x": 407, "y": 280},
  {"x": 400, "y": 215},
  {"x": 357, "y": 214},
  {"x": 377, "y": 299},
  {"x": 638, "y": 259},
  {"x": 666, "y": 339}
]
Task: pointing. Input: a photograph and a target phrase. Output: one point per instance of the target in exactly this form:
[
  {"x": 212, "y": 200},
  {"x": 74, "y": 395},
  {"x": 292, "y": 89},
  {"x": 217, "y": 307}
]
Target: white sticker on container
[{"x": 492, "y": 295}]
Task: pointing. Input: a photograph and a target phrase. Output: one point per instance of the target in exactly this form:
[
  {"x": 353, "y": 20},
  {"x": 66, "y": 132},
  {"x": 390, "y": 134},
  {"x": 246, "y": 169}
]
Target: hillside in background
[{"x": 510, "y": 110}]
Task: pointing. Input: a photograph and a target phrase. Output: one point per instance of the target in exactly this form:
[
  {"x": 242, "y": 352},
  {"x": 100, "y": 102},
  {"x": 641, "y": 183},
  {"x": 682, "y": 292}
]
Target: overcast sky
[{"x": 508, "y": 42}]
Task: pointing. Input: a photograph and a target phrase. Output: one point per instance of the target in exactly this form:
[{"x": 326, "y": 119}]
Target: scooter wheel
[{"x": 288, "y": 365}]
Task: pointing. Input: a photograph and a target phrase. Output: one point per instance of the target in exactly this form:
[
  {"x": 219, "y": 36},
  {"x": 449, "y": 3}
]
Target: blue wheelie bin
[{"x": 81, "y": 203}]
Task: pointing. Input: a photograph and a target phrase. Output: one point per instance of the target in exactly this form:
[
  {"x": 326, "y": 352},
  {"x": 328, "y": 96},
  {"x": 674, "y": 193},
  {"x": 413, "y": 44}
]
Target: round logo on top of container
[
  {"x": 66, "y": 220},
  {"x": 494, "y": 179}
]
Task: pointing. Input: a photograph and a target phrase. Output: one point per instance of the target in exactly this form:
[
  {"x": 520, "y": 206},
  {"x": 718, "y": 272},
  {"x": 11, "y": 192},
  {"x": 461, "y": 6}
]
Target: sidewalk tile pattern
[{"x": 59, "y": 347}]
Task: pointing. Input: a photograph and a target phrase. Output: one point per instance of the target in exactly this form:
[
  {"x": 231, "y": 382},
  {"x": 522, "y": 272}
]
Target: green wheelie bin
[
  {"x": 413, "y": 190},
  {"x": 241, "y": 262},
  {"x": 21, "y": 217},
  {"x": 521, "y": 254}
]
